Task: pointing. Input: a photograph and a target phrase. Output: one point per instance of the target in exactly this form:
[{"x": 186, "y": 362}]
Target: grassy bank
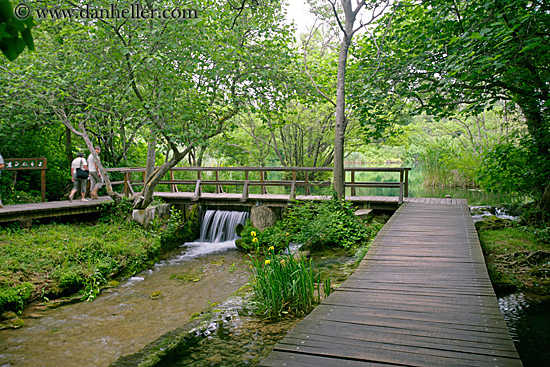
[
  {"x": 50, "y": 261},
  {"x": 517, "y": 257}
]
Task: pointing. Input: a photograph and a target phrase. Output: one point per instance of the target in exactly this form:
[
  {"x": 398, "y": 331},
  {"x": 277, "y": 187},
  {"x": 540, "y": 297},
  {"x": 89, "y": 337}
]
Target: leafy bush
[
  {"x": 248, "y": 233},
  {"x": 315, "y": 224},
  {"x": 11, "y": 196},
  {"x": 516, "y": 165},
  {"x": 175, "y": 230},
  {"x": 328, "y": 223},
  {"x": 505, "y": 168},
  {"x": 542, "y": 235}
]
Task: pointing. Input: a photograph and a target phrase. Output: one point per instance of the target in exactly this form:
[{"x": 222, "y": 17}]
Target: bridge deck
[
  {"x": 51, "y": 209},
  {"x": 421, "y": 297},
  {"x": 382, "y": 202},
  {"x": 22, "y": 212}
]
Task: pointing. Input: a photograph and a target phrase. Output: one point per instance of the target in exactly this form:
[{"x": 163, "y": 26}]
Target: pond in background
[{"x": 417, "y": 189}]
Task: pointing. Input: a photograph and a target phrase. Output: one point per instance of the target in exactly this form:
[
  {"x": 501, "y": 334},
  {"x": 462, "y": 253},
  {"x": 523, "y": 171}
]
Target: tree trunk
[
  {"x": 151, "y": 152},
  {"x": 82, "y": 133},
  {"x": 68, "y": 144},
  {"x": 146, "y": 197},
  {"x": 340, "y": 126}
]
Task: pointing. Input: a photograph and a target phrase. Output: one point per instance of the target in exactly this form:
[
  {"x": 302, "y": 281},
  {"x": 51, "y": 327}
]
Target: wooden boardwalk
[
  {"x": 421, "y": 297},
  {"x": 51, "y": 209}
]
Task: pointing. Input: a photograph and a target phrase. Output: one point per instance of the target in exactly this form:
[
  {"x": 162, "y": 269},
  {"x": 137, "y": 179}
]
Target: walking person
[
  {"x": 2, "y": 166},
  {"x": 95, "y": 175},
  {"x": 79, "y": 184}
]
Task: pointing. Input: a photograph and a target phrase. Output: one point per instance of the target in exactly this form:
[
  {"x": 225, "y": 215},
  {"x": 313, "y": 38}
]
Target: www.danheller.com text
[{"x": 133, "y": 11}]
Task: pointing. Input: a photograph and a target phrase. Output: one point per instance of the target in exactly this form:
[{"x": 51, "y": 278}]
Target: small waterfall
[{"x": 219, "y": 225}]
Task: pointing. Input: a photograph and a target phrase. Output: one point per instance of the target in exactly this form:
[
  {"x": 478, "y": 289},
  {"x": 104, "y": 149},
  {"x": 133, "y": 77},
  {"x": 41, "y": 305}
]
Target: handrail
[{"x": 402, "y": 184}]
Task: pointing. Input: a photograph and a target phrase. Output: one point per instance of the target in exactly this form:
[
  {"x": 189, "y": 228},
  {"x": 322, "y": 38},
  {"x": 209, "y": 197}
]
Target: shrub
[
  {"x": 315, "y": 224},
  {"x": 328, "y": 223}
]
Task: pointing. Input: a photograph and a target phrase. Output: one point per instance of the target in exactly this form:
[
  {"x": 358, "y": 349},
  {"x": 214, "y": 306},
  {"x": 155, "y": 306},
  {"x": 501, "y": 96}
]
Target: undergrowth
[
  {"x": 57, "y": 260},
  {"x": 330, "y": 223},
  {"x": 285, "y": 283},
  {"x": 517, "y": 257}
]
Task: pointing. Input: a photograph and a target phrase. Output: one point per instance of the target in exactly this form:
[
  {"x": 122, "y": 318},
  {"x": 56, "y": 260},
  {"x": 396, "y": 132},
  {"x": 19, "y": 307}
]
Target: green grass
[{"x": 61, "y": 259}]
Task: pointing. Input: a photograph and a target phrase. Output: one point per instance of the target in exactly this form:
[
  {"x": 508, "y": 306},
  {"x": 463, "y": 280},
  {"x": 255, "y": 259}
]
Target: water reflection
[{"x": 528, "y": 319}]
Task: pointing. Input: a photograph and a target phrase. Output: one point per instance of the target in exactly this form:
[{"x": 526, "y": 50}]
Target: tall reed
[{"x": 284, "y": 283}]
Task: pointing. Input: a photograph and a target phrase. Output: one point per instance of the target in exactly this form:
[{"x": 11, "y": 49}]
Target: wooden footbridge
[
  {"x": 420, "y": 297},
  {"x": 237, "y": 187}
]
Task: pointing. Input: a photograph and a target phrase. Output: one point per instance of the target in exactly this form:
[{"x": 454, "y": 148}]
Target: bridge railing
[{"x": 296, "y": 177}]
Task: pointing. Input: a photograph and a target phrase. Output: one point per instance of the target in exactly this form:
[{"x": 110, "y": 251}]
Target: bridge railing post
[
  {"x": 125, "y": 190},
  {"x": 245, "y": 186},
  {"x": 219, "y": 188},
  {"x": 353, "y": 182},
  {"x": 262, "y": 181},
  {"x": 293, "y": 186},
  {"x": 173, "y": 186},
  {"x": 406, "y": 183},
  {"x": 307, "y": 190}
]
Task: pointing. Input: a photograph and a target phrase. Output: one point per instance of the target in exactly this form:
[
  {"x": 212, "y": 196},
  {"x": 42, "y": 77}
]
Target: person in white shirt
[
  {"x": 79, "y": 184},
  {"x": 95, "y": 176}
]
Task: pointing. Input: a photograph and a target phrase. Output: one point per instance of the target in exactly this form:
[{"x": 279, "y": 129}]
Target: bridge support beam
[{"x": 145, "y": 216}]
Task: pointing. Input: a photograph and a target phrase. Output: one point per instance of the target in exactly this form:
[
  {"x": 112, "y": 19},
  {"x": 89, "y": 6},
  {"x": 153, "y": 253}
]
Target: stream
[
  {"x": 124, "y": 319},
  {"x": 528, "y": 319}
]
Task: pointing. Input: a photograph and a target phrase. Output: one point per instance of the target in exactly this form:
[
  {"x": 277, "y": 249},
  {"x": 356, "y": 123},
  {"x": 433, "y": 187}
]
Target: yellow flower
[
  {"x": 271, "y": 248},
  {"x": 287, "y": 234},
  {"x": 253, "y": 234},
  {"x": 282, "y": 262},
  {"x": 267, "y": 262},
  {"x": 254, "y": 239}
]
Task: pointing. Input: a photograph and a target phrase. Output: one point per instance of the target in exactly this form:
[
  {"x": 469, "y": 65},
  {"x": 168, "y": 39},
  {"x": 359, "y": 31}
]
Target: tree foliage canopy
[{"x": 464, "y": 56}]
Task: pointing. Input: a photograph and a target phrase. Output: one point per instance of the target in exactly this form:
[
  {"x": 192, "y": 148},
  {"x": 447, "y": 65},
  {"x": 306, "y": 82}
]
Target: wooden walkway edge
[{"x": 421, "y": 297}]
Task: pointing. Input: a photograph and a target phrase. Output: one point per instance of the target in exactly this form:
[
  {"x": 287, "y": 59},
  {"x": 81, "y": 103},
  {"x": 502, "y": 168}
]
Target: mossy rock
[
  {"x": 239, "y": 229},
  {"x": 492, "y": 223},
  {"x": 15, "y": 323},
  {"x": 188, "y": 277},
  {"x": 8, "y": 315}
]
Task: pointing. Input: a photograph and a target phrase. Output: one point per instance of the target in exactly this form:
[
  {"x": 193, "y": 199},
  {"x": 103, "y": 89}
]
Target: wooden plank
[{"x": 277, "y": 358}]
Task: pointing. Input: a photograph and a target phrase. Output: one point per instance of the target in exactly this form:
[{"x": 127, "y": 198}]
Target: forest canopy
[{"x": 461, "y": 86}]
